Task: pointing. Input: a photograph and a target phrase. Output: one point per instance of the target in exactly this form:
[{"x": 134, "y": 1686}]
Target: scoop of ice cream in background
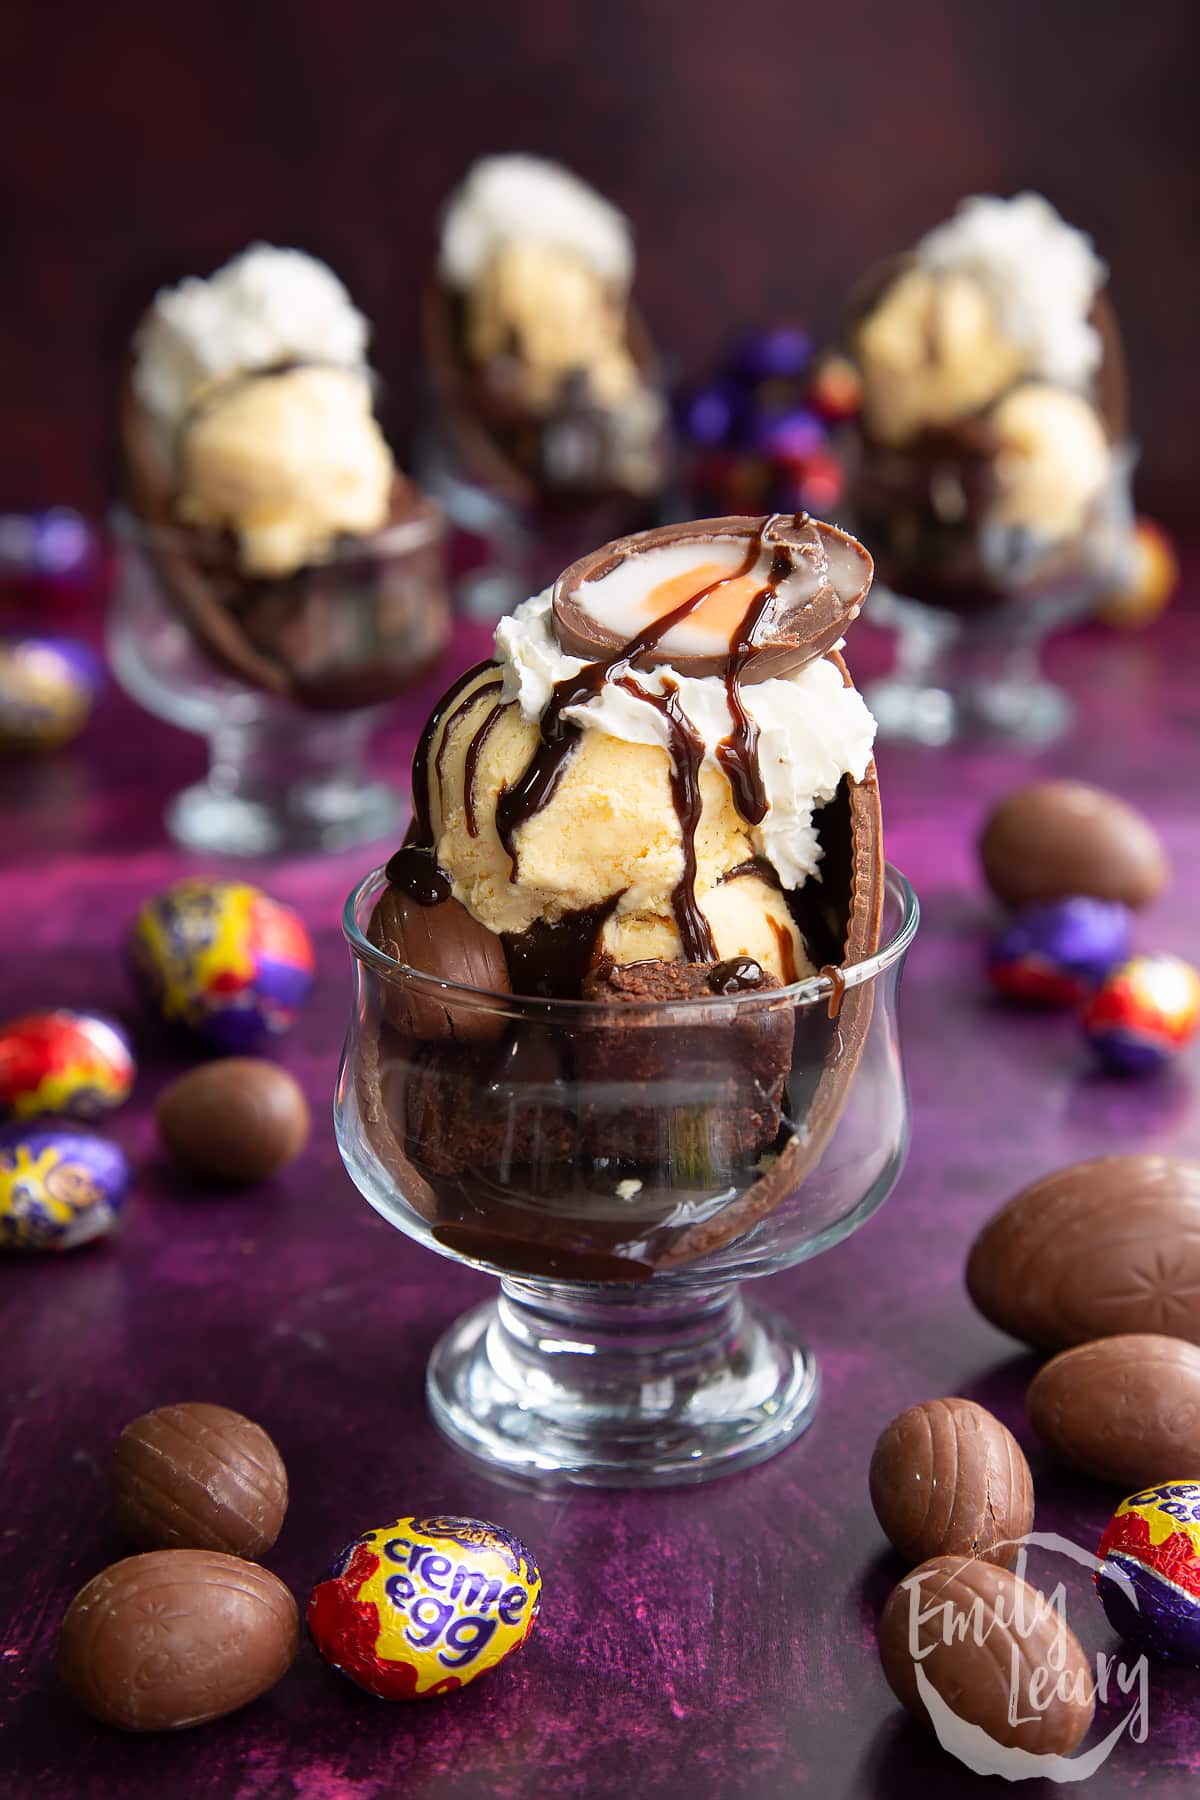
[
  {"x": 988, "y": 329},
  {"x": 256, "y": 383}
]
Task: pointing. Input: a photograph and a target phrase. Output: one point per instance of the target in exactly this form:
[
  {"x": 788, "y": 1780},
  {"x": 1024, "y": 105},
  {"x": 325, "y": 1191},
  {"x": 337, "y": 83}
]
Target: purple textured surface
[{"x": 707, "y": 1642}]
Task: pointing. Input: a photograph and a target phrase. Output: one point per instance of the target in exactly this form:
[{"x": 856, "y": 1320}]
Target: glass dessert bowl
[
  {"x": 548, "y": 430},
  {"x": 989, "y": 467},
  {"x": 624, "y": 1025},
  {"x": 278, "y": 578},
  {"x": 622, "y": 1166}
]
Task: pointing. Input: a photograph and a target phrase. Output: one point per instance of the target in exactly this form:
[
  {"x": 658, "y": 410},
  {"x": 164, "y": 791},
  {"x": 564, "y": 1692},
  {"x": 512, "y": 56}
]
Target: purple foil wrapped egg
[
  {"x": 1149, "y": 1575},
  {"x": 1058, "y": 955},
  {"x": 1145, "y": 1013},
  {"x": 47, "y": 689},
  {"x": 712, "y": 416},
  {"x": 790, "y": 437},
  {"x": 781, "y": 352},
  {"x": 60, "y": 1187},
  {"x": 224, "y": 960}
]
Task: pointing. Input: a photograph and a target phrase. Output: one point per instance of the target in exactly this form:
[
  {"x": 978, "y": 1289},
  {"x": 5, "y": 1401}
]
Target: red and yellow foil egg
[
  {"x": 68, "y": 1063},
  {"x": 1146, "y": 1012},
  {"x": 1149, "y": 1575},
  {"x": 422, "y": 1606}
]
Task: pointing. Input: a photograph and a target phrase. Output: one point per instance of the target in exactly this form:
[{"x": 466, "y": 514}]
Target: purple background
[
  {"x": 767, "y": 152},
  {"x": 706, "y": 1642}
]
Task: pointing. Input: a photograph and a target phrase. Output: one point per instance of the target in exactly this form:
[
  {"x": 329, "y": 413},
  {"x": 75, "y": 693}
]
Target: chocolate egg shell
[
  {"x": 47, "y": 687},
  {"x": 1145, "y": 1013},
  {"x": 445, "y": 941},
  {"x": 422, "y": 1606},
  {"x": 1124, "y": 1409},
  {"x": 1149, "y": 1576},
  {"x": 59, "y": 1187},
  {"x": 175, "y": 1638},
  {"x": 1012, "y": 1666},
  {"x": 66, "y": 1063},
  {"x": 238, "y": 1120},
  {"x": 1054, "y": 839},
  {"x": 1111, "y": 1245},
  {"x": 223, "y": 960},
  {"x": 198, "y": 1477},
  {"x": 947, "y": 1478},
  {"x": 835, "y": 576}
]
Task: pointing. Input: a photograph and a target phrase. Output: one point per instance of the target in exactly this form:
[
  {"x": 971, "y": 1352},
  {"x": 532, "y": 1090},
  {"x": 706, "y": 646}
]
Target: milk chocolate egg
[
  {"x": 59, "y": 1187},
  {"x": 1124, "y": 1409},
  {"x": 47, "y": 688},
  {"x": 222, "y": 959},
  {"x": 424, "y": 1605},
  {"x": 1101, "y": 1247},
  {"x": 175, "y": 1638},
  {"x": 198, "y": 1477},
  {"x": 963, "y": 1637},
  {"x": 239, "y": 1119},
  {"x": 1054, "y": 839},
  {"x": 1145, "y": 1013},
  {"x": 1149, "y": 1576},
  {"x": 948, "y": 1478},
  {"x": 66, "y": 1063}
]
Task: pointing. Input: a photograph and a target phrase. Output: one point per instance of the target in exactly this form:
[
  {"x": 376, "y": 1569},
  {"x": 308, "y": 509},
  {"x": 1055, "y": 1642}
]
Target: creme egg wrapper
[
  {"x": 1145, "y": 1013},
  {"x": 1059, "y": 954},
  {"x": 224, "y": 960},
  {"x": 1149, "y": 1576},
  {"x": 59, "y": 1188},
  {"x": 66, "y": 1063},
  {"x": 422, "y": 1606},
  {"x": 47, "y": 689}
]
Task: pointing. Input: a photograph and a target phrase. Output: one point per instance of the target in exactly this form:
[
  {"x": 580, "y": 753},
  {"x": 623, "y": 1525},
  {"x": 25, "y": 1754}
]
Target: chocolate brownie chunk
[{"x": 693, "y": 1093}]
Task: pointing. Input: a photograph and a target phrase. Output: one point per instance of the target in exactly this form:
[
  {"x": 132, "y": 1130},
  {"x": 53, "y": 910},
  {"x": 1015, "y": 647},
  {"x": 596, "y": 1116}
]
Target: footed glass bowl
[
  {"x": 287, "y": 763},
  {"x": 622, "y": 1167}
]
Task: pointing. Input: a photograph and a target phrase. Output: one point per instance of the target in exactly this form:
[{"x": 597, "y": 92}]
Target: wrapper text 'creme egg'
[
  {"x": 1145, "y": 1013},
  {"x": 1149, "y": 1579},
  {"x": 424, "y": 1605},
  {"x": 59, "y": 1188},
  {"x": 63, "y": 1062},
  {"x": 222, "y": 959},
  {"x": 1060, "y": 954}
]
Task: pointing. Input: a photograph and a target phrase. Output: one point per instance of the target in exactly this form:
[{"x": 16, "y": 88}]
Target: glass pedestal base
[
  {"x": 276, "y": 786},
  {"x": 556, "y": 1384}
]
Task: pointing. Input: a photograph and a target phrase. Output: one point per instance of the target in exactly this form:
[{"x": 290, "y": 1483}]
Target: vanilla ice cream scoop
[
  {"x": 644, "y": 812},
  {"x": 287, "y": 462},
  {"x": 256, "y": 386}
]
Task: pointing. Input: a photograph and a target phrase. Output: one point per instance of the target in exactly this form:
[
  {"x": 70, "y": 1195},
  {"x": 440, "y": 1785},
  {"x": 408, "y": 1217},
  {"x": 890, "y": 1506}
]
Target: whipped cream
[
  {"x": 1040, "y": 274},
  {"x": 526, "y": 199},
  {"x": 265, "y": 307},
  {"x": 814, "y": 729}
]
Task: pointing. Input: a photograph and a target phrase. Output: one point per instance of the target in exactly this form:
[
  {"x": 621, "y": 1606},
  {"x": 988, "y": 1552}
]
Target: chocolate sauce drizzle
[
  {"x": 414, "y": 868},
  {"x": 737, "y": 754},
  {"x": 471, "y": 760}
]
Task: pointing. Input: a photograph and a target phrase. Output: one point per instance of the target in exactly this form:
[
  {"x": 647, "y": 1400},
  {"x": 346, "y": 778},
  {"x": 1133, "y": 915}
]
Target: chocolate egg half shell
[
  {"x": 1145, "y": 1013},
  {"x": 65, "y": 1063},
  {"x": 1149, "y": 1578},
  {"x": 47, "y": 688},
  {"x": 1058, "y": 955},
  {"x": 424, "y": 1605},
  {"x": 59, "y": 1188},
  {"x": 223, "y": 960}
]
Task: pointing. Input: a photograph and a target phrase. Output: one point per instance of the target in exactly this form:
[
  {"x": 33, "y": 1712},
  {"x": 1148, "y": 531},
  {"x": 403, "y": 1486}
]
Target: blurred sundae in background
[
  {"x": 550, "y": 428},
  {"x": 989, "y": 468},
  {"x": 284, "y": 535}
]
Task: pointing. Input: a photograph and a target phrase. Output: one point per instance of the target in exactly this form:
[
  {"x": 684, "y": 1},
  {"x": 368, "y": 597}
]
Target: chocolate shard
[
  {"x": 447, "y": 942},
  {"x": 773, "y": 592}
]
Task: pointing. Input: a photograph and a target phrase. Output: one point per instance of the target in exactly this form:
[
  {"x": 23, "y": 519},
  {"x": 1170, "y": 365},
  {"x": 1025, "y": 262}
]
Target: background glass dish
[
  {"x": 968, "y": 668},
  {"x": 286, "y": 776},
  {"x": 620, "y": 1351}
]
